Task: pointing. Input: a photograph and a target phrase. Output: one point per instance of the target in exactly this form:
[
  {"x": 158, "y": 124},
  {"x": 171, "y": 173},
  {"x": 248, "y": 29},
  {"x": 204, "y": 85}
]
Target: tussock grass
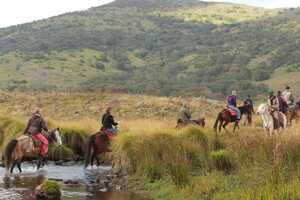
[
  {"x": 182, "y": 164},
  {"x": 60, "y": 153}
]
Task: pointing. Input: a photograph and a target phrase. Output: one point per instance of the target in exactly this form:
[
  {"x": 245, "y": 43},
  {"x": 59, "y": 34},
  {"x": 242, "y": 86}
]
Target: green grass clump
[
  {"x": 74, "y": 139},
  {"x": 61, "y": 152},
  {"x": 154, "y": 155},
  {"x": 51, "y": 189},
  {"x": 221, "y": 160},
  {"x": 163, "y": 154},
  {"x": 10, "y": 128}
]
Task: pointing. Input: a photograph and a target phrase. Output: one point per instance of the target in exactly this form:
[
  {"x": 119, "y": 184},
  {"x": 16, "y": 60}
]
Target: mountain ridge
[{"x": 206, "y": 50}]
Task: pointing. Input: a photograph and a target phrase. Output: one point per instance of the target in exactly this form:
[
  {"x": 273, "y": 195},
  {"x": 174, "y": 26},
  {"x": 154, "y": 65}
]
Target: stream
[{"x": 21, "y": 186}]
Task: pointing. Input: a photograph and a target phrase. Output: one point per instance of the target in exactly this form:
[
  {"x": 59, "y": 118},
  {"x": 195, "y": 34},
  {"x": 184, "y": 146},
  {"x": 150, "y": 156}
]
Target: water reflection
[{"x": 21, "y": 186}]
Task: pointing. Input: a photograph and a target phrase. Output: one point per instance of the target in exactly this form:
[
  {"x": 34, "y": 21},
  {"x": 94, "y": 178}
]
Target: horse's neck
[{"x": 267, "y": 119}]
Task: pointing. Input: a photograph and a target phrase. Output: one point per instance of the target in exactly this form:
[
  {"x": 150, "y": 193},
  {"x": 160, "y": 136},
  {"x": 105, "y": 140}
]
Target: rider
[
  {"x": 273, "y": 103},
  {"x": 288, "y": 96},
  {"x": 232, "y": 103},
  {"x": 185, "y": 115},
  {"x": 283, "y": 105},
  {"x": 34, "y": 128},
  {"x": 248, "y": 102},
  {"x": 108, "y": 122}
]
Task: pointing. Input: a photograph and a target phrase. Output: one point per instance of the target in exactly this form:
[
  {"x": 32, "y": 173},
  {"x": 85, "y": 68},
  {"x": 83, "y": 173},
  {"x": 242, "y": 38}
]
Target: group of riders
[
  {"x": 277, "y": 103},
  {"x": 37, "y": 125}
]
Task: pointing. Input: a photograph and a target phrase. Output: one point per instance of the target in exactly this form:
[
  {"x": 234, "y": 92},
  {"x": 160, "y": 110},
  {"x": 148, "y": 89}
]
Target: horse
[
  {"x": 224, "y": 118},
  {"x": 199, "y": 122},
  {"x": 268, "y": 120},
  {"x": 96, "y": 144},
  {"x": 294, "y": 113},
  {"x": 247, "y": 110},
  {"x": 23, "y": 146}
]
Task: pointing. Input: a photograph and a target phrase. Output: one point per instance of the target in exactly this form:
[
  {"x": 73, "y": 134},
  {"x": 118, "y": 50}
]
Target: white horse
[{"x": 267, "y": 118}]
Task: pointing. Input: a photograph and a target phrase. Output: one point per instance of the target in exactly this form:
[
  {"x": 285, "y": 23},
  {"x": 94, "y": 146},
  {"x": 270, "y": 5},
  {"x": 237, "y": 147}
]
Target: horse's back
[{"x": 23, "y": 137}]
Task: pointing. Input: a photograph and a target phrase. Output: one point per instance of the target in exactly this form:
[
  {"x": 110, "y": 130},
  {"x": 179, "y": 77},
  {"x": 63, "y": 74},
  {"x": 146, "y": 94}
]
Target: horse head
[
  {"x": 262, "y": 109},
  {"x": 55, "y": 136}
]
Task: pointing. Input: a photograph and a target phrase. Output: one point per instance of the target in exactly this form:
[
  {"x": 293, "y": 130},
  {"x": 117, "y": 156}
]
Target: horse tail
[
  {"x": 88, "y": 150},
  {"x": 217, "y": 122},
  {"x": 9, "y": 149}
]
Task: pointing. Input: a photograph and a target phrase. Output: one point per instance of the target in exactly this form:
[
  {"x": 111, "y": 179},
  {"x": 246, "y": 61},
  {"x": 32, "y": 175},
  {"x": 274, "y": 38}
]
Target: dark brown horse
[
  {"x": 247, "y": 111},
  {"x": 198, "y": 122},
  {"x": 24, "y": 146},
  {"x": 96, "y": 144},
  {"x": 293, "y": 113},
  {"x": 224, "y": 118}
]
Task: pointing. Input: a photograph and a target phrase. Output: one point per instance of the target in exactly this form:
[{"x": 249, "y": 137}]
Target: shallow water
[{"x": 21, "y": 186}]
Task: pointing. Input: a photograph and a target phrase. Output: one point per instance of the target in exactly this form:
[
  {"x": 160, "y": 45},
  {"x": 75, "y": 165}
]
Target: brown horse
[
  {"x": 24, "y": 146},
  {"x": 96, "y": 144},
  {"x": 199, "y": 122},
  {"x": 224, "y": 118},
  {"x": 293, "y": 113}
]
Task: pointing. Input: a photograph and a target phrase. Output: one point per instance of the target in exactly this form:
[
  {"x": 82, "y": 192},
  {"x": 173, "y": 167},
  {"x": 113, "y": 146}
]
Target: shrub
[
  {"x": 60, "y": 153},
  {"x": 74, "y": 139},
  {"x": 50, "y": 190},
  {"x": 221, "y": 160}
]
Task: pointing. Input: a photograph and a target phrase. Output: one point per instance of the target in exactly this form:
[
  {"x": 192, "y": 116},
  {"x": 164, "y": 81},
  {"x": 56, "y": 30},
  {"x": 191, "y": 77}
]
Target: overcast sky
[{"x": 14, "y": 12}]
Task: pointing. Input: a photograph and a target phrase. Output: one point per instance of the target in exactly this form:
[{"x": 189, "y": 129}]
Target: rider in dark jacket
[
  {"x": 249, "y": 103},
  {"x": 35, "y": 126},
  {"x": 283, "y": 106},
  {"x": 108, "y": 121}
]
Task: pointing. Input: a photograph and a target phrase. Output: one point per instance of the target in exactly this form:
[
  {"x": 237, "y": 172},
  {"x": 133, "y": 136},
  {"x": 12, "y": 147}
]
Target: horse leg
[
  {"x": 19, "y": 165},
  {"x": 220, "y": 125},
  {"x": 13, "y": 166},
  {"x": 92, "y": 159},
  {"x": 236, "y": 125},
  {"x": 224, "y": 126},
  {"x": 250, "y": 119},
  {"x": 40, "y": 162},
  {"x": 97, "y": 161}
]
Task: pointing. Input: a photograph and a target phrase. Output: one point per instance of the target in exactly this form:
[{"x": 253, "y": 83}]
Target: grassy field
[
  {"x": 282, "y": 78},
  {"x": 165, "y": 163}
]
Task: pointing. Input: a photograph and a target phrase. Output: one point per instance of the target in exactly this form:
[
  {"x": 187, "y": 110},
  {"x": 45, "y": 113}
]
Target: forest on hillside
[{"x": 154, "y": 47}]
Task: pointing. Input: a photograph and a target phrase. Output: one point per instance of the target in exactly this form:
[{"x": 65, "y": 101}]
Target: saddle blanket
[{"x": 232, "y": 112}]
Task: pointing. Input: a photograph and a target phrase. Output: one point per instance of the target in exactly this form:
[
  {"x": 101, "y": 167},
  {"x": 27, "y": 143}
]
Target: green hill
[{"x": 161, "y": 47}]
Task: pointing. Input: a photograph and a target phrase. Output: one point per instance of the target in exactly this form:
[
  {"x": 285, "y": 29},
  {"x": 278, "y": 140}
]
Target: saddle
[
  {"x": 232, "y": 112},
  {"x": 109, "y": 134},
  {"x": 31, "y": 144}
]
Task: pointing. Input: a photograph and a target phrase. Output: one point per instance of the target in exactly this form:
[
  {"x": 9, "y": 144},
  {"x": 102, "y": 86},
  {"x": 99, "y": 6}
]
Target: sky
[{"x": 13, "y": 12}]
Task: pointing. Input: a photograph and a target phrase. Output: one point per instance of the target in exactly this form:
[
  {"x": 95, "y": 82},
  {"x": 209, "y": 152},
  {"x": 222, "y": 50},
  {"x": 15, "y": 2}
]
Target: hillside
[{"x": 174, "y": 47}]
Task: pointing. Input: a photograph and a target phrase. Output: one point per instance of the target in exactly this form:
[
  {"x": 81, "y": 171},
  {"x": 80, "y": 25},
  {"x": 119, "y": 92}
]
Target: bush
[
  {"x": 74, "y": 139},
  {"x": 222, "y": 161},
  {"x": 49, "y": 190},
  {"x": 60, "y": 153}
]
